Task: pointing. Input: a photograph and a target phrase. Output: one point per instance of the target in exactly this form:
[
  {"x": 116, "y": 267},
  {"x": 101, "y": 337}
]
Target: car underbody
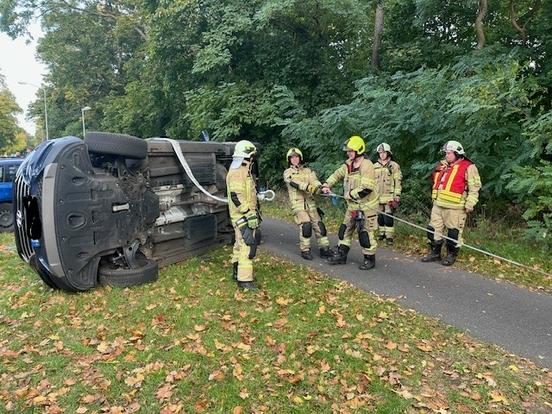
[{"x": 113, "y": 208}]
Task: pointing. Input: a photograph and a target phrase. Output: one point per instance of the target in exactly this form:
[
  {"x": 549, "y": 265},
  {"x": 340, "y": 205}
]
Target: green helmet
[
  {"x": 244, "y": 149},
  {"x": 384, "y": 147},
  {"x": 454, "y": 146}
]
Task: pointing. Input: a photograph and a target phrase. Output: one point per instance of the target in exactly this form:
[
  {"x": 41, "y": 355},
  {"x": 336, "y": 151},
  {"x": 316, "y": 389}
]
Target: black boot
[
  {"x": 235, "y": 270},
  {"x": 389, "y": 241},
  {"x": 326, "y": 252},
  {"x": 369, "y": 262},
  {"x": 247, "y": 285},
  {"x": 341, "y": 256},
  {"x": 435, "y": 253},
  {"x": 381, "y": 237},
  {"x": 306, "y": 254},
  {"x": 452, "y": 253}
]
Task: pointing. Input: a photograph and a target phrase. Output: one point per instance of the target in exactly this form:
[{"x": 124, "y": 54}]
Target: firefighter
[
  {"x": 388, "y": 180},
  {"x": 360, "y": 192},
  {"x": 302, "y": 184},
  {"x": 455, "y": 193},
  {"x": 242, "y": 205}
]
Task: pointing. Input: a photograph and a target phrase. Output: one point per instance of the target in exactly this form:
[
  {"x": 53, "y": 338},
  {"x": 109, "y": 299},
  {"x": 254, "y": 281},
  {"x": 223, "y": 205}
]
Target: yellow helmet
[
  {"x": 244, "y": 149},
  {"x": 294, "y": 151},
  {"x": 355, "y": 143}
]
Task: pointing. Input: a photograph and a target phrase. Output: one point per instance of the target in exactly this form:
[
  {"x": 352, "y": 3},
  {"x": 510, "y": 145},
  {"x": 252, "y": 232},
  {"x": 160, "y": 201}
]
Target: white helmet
[
  {"x": 384, "y": 147},
  {"x": 454, "y": 146},
  {"x": 244, "y": 149}
]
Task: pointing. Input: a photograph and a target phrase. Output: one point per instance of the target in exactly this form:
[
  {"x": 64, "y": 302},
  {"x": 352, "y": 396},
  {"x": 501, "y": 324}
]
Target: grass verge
[
  {"x": 192, "y": 343},
  {"x": 498, "y": 238}
]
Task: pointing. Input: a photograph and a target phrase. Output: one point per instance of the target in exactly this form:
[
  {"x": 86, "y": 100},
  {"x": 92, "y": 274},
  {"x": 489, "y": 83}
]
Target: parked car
[
  {"x": 113, "y": 208},
  {"x": 8, "y": 168}
]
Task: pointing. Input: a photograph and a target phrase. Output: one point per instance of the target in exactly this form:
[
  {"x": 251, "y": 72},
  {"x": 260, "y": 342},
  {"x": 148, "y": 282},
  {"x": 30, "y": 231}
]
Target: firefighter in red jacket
[{"x": 455, "y": 192}]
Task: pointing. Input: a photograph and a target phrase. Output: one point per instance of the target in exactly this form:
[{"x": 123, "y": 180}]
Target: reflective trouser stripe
[{"x": 240, "y": 254}]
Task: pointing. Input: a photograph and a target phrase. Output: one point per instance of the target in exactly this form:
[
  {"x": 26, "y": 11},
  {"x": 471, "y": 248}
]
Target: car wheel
[
  {"x": 123, "y": 277},
  {"x": 125, "y": 146},
  {"x": 6, "y": 217}
]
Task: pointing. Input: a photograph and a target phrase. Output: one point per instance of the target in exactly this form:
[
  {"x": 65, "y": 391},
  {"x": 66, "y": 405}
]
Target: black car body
[{"x": 112, "y": 208}]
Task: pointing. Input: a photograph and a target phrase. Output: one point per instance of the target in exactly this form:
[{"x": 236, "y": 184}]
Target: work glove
[
  {"x": 468, "y": 208},
  {"x": 393, "y": 204},
  {"x": 313, "y": 189},
  {"x": 247, "y": 233},
  {"x": 326, "y": 189},
  {"x": 252, "y": 220}
]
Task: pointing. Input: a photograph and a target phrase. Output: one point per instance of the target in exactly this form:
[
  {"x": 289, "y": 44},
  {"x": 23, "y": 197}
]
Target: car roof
[{"x": 4, "y": 161}]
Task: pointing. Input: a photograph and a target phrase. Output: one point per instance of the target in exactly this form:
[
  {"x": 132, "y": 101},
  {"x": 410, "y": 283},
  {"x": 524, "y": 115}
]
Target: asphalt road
[{"x": 516, "y": 319}]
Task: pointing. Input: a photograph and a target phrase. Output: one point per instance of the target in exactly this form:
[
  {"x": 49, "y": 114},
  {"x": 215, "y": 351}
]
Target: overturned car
[{"x": 113, "y": 208}]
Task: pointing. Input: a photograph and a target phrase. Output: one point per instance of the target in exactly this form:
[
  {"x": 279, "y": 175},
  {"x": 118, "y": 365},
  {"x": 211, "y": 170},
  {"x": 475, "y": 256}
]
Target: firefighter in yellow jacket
[
  {"x": 388, "y": 181},
  {"x": 360, "y": 192},
  {"x": 302, "y": 184},
  {"x": 242, "y": 205},
  {"x": 455, "y": 192}
]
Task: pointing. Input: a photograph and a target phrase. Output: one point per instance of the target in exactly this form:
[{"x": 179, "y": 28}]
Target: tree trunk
[
  {"x": 517, "y": 22},
  {"x": 479, "y": 24},
  {"x": 378, "y": 29}
]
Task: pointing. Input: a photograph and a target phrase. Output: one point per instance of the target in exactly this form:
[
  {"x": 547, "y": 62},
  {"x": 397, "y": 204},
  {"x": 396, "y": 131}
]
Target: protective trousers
[
  {"x": 449, "y": 222},
  {"x": 309, "y": 221},
  {"x": 385, "y": 223},
  {"x": 241, "y": 254},
  {"x": 366, "y": 229}
]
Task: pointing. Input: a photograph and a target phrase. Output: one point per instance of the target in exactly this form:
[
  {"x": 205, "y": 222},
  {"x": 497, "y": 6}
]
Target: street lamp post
[
  {"x": 45, "y": 106},
  {"x": 83, "y": 110}
]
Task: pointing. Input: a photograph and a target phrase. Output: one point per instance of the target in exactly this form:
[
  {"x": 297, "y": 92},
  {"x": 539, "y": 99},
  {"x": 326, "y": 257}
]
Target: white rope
[
  {"x": 267, "y": 195},
  {"x": 453, "y": 240},
  {"x": 189, "y": 173}
]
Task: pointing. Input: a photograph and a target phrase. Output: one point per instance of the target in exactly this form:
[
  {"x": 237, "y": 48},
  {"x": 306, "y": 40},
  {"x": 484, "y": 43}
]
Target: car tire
[
  {"x": 122, "y": 277},
  {"x": 6, "y": 217},
  {"x": 125, "y": 146}
]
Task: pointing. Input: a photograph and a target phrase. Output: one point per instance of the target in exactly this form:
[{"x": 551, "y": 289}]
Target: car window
[{"x": 10, "y": 171}]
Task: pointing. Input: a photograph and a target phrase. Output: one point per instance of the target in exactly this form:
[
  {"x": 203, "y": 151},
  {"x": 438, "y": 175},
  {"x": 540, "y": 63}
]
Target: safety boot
[
  {"x": 381, "y": 236},
  {"x": 341, "y": 256},
  {"x": 306, "y": 254},
  {"x": 247, "y": 285},
  {"x": 389, "y": 241},
  {"x": 435, "y": 253},
  {"x": 369, "y": 262},
  {"x": 452, "y": 254},
  {"x": 326, "y": 252}
]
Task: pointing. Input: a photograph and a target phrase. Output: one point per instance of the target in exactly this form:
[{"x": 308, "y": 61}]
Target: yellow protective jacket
[
  {"x": 358, "y": 183},
  {"x": 241, "y": 191},
  {"x": 388, "y": 179},
  {"x": 456, "y": 185},
  {"x": 305, "y": 179}
]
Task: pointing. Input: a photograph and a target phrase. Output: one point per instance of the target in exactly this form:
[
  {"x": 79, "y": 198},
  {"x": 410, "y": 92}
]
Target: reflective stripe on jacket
[
  {"x": 304, "y": 177},
  {"x": 355, "y": 180},
  {"x": 388, "y": 179},
  {"x": 456, "y": 185},
  {"x": 241, "y": 192}
]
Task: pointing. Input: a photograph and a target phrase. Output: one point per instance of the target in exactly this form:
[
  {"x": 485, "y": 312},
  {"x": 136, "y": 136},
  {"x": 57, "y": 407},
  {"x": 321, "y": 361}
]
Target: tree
[{"x": 8, "y": 115}]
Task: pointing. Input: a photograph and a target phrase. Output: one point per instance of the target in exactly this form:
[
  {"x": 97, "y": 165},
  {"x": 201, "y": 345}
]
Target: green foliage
[
  {"x": 8, "y": 116},
  {"x": 284, "y": 72}
]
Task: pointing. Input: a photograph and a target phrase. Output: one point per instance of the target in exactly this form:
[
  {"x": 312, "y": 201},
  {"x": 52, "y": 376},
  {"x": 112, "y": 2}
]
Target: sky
[{"x": 18, "y": 63}]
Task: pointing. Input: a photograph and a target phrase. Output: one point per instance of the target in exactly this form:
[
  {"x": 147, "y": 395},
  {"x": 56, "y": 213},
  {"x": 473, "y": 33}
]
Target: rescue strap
[
  {"x": 267, "y": 195},
  {"x": 456, "y": 241}
]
